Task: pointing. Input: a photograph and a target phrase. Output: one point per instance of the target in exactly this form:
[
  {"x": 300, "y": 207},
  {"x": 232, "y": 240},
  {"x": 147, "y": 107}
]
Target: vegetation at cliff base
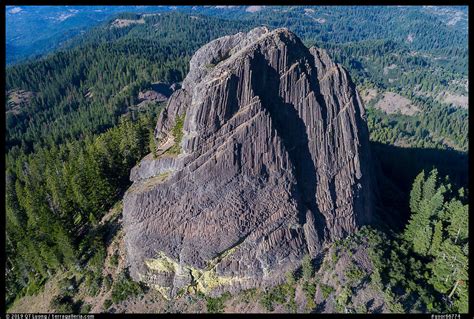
[{"x": 425, "y": 268}]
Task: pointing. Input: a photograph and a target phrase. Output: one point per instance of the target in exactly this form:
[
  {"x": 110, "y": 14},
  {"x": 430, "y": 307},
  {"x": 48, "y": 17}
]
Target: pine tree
[
  {"x": 437, "y": 238},
  {"x": 425, "y": 209},
  {"x": 416, "y": 192},
  {"x": 448, "y": 267},
  {"x": 422, "y": 240},
  {"x": 307, "y": 267},
  {"x": 152, "y": 145},
  {"x": 434, "y": 204},
  {"x": 290, "y": 278},
  {"x": 64, "y": 245},
  {"x": 429, "y": 187},
  {"x": 458, "y": 228}
]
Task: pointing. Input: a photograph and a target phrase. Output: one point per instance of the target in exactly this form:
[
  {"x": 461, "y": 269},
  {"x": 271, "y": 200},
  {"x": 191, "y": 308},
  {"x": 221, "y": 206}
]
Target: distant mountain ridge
[{"x": 53, "y": 24}]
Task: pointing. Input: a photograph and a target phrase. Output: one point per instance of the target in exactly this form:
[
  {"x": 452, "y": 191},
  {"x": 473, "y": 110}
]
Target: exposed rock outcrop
[
  {"x": 159, "y": 92},
  {"x": 270, "y": 163}
]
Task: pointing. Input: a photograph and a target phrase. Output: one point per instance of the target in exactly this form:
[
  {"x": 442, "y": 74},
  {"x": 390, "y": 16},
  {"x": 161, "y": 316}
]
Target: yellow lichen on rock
[
  {"x": 165, "y": 291},
  {"x": 195, "y": 273},
  {"x": 162, "y": 263},
  {"x": 210, "y": 280},
  {"x": 203, "y": 280}
]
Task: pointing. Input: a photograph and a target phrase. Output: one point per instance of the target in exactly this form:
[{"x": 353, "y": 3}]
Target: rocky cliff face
[{"x": 263, "y": 158}]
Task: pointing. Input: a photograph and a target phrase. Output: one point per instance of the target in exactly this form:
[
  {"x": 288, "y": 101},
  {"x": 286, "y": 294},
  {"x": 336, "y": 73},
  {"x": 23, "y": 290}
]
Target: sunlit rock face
[{"x": 271, "y": 162}]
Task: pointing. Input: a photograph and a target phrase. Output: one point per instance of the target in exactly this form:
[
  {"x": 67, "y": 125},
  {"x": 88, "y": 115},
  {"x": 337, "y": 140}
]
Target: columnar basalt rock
[{"x": 273, "y": 162}]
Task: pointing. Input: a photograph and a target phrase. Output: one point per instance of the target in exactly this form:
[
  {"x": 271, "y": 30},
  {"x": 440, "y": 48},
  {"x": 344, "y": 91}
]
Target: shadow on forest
[
  {"x": 162, "y": 88},
  {"x": 110, "y": 230},
  {"x": 396, "y": 169}
]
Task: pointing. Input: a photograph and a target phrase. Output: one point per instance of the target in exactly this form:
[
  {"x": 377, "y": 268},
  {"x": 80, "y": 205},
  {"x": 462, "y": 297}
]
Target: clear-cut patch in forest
[
  {"x": 122, "y": 23},
  {"x": 392, "y": 103},
  {"x": 16, "y": 99}
]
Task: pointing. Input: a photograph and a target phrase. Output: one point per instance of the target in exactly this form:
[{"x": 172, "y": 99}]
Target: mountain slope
[
  {"x": 263, "y": 156},
  {"x": 91, "y": 84}
]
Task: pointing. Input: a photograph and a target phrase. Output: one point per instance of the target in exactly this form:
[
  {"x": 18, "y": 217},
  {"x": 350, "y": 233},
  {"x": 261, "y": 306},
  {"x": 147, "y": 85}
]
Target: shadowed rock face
[{"x": 273, "y": 163}]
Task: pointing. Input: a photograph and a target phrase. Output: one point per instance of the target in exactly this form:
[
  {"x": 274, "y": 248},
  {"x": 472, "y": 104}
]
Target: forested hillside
[
  {"x": 430, "y": 70},
  {"x": 86, "y": 88},
  {"x": 407, "y": 51},
  {"x": 425, "y": 267},
  {"x": 53, "y": 26},
  {"x": 74, "y": 131},
  {"x": 70, "y": 147}
]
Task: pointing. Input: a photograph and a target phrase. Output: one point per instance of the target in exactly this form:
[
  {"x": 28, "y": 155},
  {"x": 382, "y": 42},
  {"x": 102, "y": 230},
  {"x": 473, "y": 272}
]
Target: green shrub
[
  {"x": 309, "y": 289},
  {"x": 93, "y": 283},
  {"x": 125, "y": 287},
  {"x": 307, "y": 267},
  {"x": 354, "y": 274},
  {"x": 342, "y": 299},
  {"x": 96, "y": 263},
  {"x": 310, "y": 304},
  {"x": 291, "y": 306},
  {"x": 267, "y": 302},
  {"x": 107, "y": 304},
  {"x": 114, "y": 259},
  {"x": 62, "y": 304},
  {"x": 35, "y": 286},
  {"x": 152, "y": 143},
  {"x": 290, "y": 293},
  {"x": 290, "y": 278},
  {"x": 177, "y": 132},
  {"x": 362, "y": 308},
  {"x": 248, "y": 295},
  {"x": 200, "y": 295},
  {"x": 108, "y": 282},
  {"x": 214, "y": 305},
  {"x": 86, "y": 308},
  {"x": 280, "y": 293},
  {"x": 68, "y": 285},
  {"x": 326, "y": 290},
  {"x": 181, "y": 292},
  {"x": 217, "y": 305}
]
